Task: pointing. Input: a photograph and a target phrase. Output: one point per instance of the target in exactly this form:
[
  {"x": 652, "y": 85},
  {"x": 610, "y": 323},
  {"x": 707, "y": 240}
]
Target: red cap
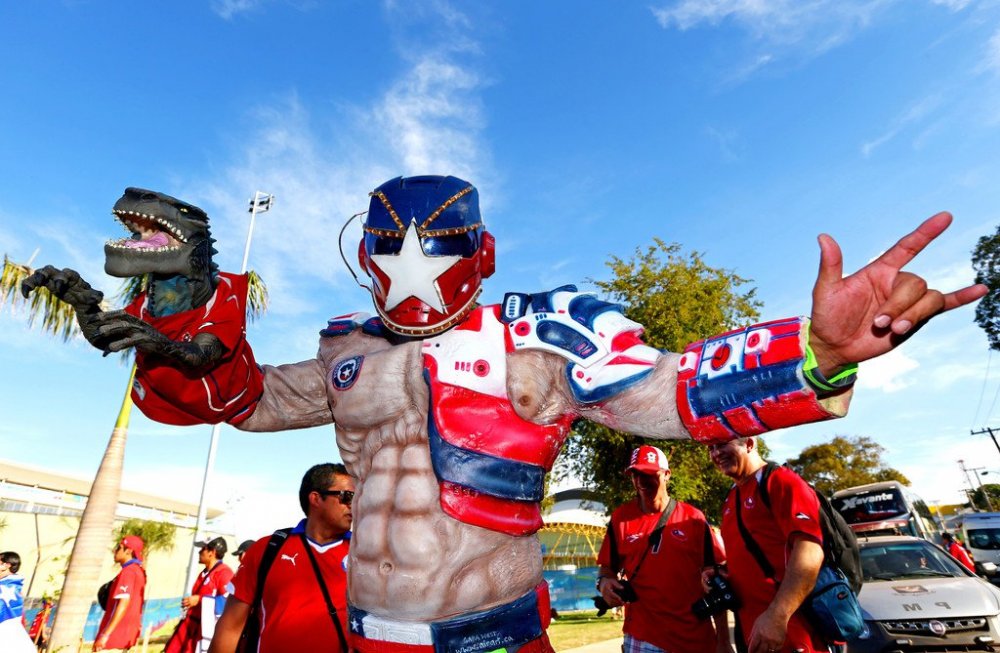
[
  {"x": 135, "y": 543},
  {"x": 649, "y": 460}
]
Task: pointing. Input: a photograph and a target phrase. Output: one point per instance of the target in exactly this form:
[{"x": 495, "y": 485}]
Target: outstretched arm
[
  {"x": 869, "y": 313},
  {"x": 114, "y": 331}
]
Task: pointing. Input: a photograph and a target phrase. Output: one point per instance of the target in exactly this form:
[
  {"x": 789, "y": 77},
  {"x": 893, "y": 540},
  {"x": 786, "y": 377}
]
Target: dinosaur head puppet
[
  {"x": 170, "y": 240},
  {"x": 168, "y": 237}
]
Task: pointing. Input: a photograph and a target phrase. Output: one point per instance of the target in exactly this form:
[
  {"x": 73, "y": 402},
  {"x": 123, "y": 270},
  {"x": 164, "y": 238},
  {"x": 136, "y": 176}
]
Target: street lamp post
[{"x": 260, "y": 203}]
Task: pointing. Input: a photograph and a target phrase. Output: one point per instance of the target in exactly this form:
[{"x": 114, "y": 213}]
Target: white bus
[
  {"x": 981, "y": 534},
  {"x": 886, "y": 508}
]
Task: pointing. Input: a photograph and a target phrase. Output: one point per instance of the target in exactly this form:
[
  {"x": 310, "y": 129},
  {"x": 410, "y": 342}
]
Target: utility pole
[
  {"x": 991, "y": 434},
  {"x": 972, "y": 488},
  {"x": 986, "y": 495}
]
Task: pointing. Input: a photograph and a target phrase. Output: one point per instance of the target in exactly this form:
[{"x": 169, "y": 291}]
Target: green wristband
[{"x": 845, "y": 378}]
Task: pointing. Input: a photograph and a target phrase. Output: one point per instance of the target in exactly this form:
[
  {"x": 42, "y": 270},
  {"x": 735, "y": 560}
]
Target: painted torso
[{"x": 444, "y": 554}]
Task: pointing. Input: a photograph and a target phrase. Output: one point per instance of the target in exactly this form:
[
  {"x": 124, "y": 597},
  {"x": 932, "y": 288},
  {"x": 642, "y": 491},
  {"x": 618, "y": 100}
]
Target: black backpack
[{"x": 840, "y": 544}]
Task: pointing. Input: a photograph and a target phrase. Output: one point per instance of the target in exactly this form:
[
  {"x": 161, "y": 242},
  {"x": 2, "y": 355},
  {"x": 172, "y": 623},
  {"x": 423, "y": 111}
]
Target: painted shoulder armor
[
  {"x": 345, "y": 324},
  {"x": 604, "y": 349}
]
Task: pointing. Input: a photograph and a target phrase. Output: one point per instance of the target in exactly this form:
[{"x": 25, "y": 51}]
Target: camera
[
  {"x": 720, "y": 597},
  {"x": 627, "y": 593}
]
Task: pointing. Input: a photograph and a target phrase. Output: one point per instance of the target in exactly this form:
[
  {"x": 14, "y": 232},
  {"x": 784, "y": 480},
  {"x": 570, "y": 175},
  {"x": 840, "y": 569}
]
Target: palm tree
[
  {"x": 97, "y": 520},
  {"x": 155, "y": 535}
]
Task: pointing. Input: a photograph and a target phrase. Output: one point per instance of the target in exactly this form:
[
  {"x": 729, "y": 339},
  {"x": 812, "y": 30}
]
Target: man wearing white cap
[{"x": 657, "y": 547}]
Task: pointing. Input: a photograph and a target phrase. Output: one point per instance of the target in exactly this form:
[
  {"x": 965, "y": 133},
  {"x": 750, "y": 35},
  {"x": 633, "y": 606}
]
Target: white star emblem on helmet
[{"x": 412, "y": 273}]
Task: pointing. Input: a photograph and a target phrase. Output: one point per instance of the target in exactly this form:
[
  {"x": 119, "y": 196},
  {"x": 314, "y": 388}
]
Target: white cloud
[
  {"x": 816, "y": 24},
  {"x": 992, "y": 57},
  {"x": 914, "y": 114},
  {"x": 229, "y": 8},
  {"x": 728, "y": 142},
  {"x": 888, "y": 373},
  {"x": 320, "y": 166},
  {"x": 953, "y": 5}
]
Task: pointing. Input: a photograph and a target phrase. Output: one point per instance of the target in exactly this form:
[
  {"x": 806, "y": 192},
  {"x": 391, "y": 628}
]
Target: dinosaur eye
[{"x": 184, "y": 210}]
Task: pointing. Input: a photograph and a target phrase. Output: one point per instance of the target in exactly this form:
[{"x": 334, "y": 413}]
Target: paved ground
[{"x": 609, "y": 646}]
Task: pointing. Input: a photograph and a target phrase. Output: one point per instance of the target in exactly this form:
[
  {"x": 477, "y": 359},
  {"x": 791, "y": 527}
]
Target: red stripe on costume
[
  {"x": 489, "y": 425},
  {"x": 790, "y": 409},
  {"x": 517, "y": 518}
]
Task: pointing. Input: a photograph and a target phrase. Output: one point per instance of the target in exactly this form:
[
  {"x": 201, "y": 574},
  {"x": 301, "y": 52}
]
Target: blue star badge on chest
[{"x": 345, "y": 372}]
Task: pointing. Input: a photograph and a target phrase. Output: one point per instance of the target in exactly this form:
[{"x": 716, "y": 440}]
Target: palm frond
[
  {"x": 131, "y": 288},
  {"x": 57, "y": 317},
  {"x": 256, "y": 295}
]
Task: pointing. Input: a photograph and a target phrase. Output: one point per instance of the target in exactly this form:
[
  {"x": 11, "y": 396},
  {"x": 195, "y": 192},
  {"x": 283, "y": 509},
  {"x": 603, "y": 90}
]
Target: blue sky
[{"x": 738, "y": 128}]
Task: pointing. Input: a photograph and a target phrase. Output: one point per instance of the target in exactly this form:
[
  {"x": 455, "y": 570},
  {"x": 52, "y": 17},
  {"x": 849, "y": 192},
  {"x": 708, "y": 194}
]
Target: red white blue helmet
[{"x": 426, "y": 251}]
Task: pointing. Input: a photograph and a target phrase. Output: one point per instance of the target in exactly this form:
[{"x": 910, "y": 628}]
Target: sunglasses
[{"x": 345, "y": 496}]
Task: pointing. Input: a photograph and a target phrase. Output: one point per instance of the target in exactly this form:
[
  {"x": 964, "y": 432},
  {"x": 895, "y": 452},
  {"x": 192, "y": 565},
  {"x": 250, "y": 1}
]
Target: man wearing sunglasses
[{"x": 290, "y": 594}]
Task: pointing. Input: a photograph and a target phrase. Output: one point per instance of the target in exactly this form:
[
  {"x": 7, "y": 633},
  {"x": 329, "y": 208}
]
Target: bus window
[
  {"x": 984, "y": 538},
  {"x": 881, "y": 508}
]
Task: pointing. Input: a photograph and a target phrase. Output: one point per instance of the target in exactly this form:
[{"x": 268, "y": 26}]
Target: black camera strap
[
  {"x": 708, "y": 555},
  {"x": 326, "y": 593},
  {"x": 752, "y": 546},
  {"x": 655, "y": 535}
]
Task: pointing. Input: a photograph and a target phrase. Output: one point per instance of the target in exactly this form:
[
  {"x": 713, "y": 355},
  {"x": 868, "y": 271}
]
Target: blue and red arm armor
[{"x": 749, "y": 381}]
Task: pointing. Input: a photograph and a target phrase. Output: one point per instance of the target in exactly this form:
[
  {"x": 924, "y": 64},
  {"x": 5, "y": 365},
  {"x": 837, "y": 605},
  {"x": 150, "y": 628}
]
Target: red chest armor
[{"x": 489, "y": 462}]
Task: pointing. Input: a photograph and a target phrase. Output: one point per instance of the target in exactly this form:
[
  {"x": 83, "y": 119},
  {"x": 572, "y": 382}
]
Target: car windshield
[{"x": 906, "y": 559}]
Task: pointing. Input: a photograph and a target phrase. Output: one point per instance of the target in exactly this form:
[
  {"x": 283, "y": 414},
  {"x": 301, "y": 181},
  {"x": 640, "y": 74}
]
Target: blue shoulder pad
[
  {"x": 603, "y": 348},
  {"x": 344, "y": 324}
]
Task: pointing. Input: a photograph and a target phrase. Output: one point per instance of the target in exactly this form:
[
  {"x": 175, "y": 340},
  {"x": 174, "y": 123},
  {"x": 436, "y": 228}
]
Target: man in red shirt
[
  {"x": 664, "y": 569},
  {"x": 309, "y": 568},
  {"x": 122, "y": 622},
  {"x": 209, "y": 586},
  {"x": 789, "y": 535},
  {"x": 957, "y": 551}
]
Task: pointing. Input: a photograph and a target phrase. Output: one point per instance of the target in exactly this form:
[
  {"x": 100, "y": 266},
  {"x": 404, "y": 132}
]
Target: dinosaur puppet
[{"x": 188, "y": 326}]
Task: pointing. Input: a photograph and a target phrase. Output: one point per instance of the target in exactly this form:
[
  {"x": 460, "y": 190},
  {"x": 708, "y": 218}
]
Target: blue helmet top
[{"x": 445, "y": 209}]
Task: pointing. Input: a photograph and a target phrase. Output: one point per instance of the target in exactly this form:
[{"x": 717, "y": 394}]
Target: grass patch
[{"x": 573, "y": 629}]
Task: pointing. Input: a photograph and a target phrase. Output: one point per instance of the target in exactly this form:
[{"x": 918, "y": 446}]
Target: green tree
[
  {"x": 679, "y": 299},
  {"x": 155, "y": 535},
  {"x": 844, "y": 462},
  {"x": 986, "y": 263},
  {"x": 89, "y": 548},
  {"x": 991, "y": 490}
]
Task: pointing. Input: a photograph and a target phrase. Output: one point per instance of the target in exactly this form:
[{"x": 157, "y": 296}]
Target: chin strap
[{"x": 340, "y": 245}]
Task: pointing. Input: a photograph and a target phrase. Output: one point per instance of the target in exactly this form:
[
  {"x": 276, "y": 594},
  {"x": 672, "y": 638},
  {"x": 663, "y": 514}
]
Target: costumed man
[
  {"x": 121, "y": 625},
  {"x": 653, "y": 555},
  {"x": 13, "y": 636},
  {"x": 957, "y": 551},
  {"x": 283, "y": 587},
  {"x": 195, "y": 629},
  {"x": 448, "y": 413}
]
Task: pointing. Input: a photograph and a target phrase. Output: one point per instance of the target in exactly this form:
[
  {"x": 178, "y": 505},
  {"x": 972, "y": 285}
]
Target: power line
[
  {"x": 982, "y": 391},
  {"x": 992, "y": 435}
]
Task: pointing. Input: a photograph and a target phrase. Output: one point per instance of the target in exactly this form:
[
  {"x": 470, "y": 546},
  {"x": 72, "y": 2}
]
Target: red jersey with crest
[
  {"x": 130, "y": 583},
  {"x": 173, "y": 395},
  {"x": 669, "y": 578},
  {"x": 294, "y": 616},
  {"x": 794, "y": 510}
]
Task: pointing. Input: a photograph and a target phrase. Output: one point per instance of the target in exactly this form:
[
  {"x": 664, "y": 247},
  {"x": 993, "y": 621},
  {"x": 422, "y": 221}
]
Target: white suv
[{"x": 916, "y": 597}]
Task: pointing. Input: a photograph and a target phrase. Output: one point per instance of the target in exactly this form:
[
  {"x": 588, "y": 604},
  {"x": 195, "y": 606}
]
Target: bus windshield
[
  {"x": 874, "y": 505},
  {"x": 983, "y": 538}
]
